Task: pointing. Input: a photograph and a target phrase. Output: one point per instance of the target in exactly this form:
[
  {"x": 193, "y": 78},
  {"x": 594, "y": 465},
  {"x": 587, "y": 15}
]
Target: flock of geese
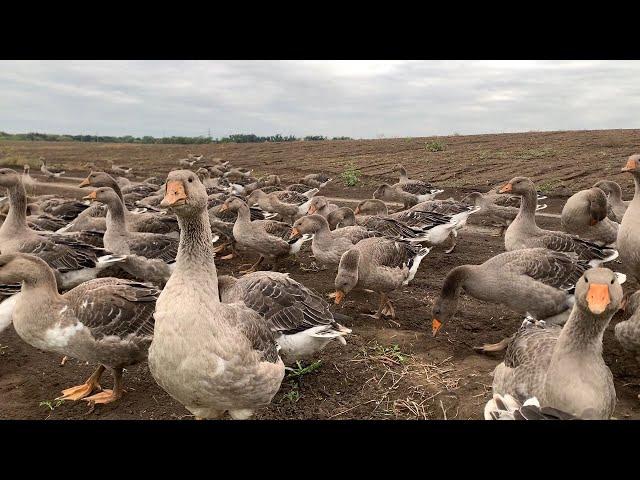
[{"x": 220, "y": 344}]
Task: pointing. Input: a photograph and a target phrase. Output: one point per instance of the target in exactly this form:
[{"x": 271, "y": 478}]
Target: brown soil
[{"x": 386, "y": 371}]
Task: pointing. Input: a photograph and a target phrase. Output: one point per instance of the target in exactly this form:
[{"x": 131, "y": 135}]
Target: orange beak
[
  {"x": 223, "y": 207},
  {"x": 174, "y": 194},
  {"x": 435, "y": 326},
  {"x": 356, "y": 211},
  {"x": 339, "y": 297},
  {"x": 630, "y": 166},
  {"x": 311, "y": 210},
  {"x": 598, "y": 297},
  {"x": 294, "y": 233},
  {"x": 92, "y": 196},
  {"x": 593, "y": 222},
  {"x": 85, "y": 182},
  {"x": 506, "y": 189}
]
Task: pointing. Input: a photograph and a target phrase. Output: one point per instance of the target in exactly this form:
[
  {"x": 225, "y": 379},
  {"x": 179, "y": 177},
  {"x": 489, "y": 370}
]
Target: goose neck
[{"x": 17, "y": 217}]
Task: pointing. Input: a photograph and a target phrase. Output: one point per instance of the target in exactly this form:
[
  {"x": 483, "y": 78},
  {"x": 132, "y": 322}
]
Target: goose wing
[
  {"x": 61, "y": 253},
  {"x": 114, "y": 307},
  {"x": 551, "y": 268},
  {"x": 152, "y": 245},
  {"x": 287, "y": 305}
]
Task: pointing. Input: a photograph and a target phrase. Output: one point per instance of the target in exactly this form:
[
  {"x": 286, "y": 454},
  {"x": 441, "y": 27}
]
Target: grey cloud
[{"x": 355, "y": 98}]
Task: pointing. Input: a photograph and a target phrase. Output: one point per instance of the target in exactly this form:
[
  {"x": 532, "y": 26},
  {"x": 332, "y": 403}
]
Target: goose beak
[
  {"x": 85, "y": 183},
  {"x": 593, "y": 222},
  {"x": 91, "y": 197},
  {"x": 598, "y": 298},
  {"x": 630, "y": 166},
  {"x": 294, "y": 233},
  {"x": 356, "y": 211},
  {"x": 223, "y": 207},
  {"x": 311, "y": 210},
  {"x": 339, "y": 297},
  {"x": 506, "y": 188},
  {"x": 435, "y": 326},
  {"x": 174, "y": 194}
]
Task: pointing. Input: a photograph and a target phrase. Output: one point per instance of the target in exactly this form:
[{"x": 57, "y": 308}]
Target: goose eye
[
  {"x": 612, "y": 280},
  {"x": 585, "y": 280},
  {"x": 190, "y": 179}
]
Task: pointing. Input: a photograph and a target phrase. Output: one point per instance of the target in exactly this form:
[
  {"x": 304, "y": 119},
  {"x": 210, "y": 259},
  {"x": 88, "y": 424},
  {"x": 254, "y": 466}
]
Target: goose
[
  {"x": 300, "y": 319},
  {"x": 298, "y": 188},
  {"x": 119, "y": 240},
  {"x": 629, "y": 232},
  {"x": 268, "y": 182},
  {"x": 142, "y": 222},
  {"x": 74, "y": 261},
  {"x": 502, "y": 215},
  {"x": 316, "y": 180},
  {"x": 409, "y": 194},
  {"x": 321, "y": 206},
  {"x": 268, "y": 238},
  {"x": 238, "y": 173},
  {"x": 49, "y": 172},
  {"x": 379, "y": 264},
  {"x": 210, "y": 356},
  {"x": 108, "y": 321},
  {"x": 614, "y": 195},
  {"x": 524, "y": 233},
  {"x": 585, "y": 215},
  {"x": 384, "y": 226},
  {"x": 328, "y": 246},
  {"x": 509, "y": 408},
  {"x": 535, "y": 281},
  {"x": 563, "y": 367},
  {"x": 63, "y": 208},
  {"x": 26, "y": 177},
  {"x": 121, "y": 170},
  {"x": 289, "y": 207},
  {"x": 429, "y": 218},
  {"x": 628, "y": 332},
  {"x": 186, "y": 162}
]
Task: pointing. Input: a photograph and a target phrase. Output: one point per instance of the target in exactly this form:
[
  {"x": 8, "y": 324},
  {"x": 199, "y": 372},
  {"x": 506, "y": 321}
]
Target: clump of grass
[
  {"x": 434, "y": 146},
  {"x": 547, "y": 186},
  {"x": 51, "y": 404},
  {"x": 18, "y": 160},
  {"x": 351, "y": 175},
  {"x": 294, "y": 378}
]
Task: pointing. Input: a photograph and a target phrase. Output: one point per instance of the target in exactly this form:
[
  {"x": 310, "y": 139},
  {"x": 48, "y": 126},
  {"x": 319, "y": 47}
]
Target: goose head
[
  {"x": 98, "y": 179},
  {"x": 8, "y": 177},
  {"x": 597, "y": 205},
  {"x": 383, "y": 192},
  {"x": 371, "y": 207},
  {"x": 309, "y": 224},
  {"x": 610, "y": 188},
  {"x": 347, "y": 277},
  {"x": 633, "y": 165},
  {"x": 21, "y": 267},
  {"x": 518, "y": 186},
  {"x": 184, "y": 193},
  {"x": 316, "y": 204},
  {"x": 106, "y": 195},
  {"x": 599, "y": 292},
  {"x": 233, "y": 204},
  {"x": 343, "y": 216}
]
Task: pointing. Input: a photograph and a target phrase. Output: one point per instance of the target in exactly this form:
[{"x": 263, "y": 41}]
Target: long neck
[
  {"x": 17, "y": 217},
  {"x": 582, "y": 333},
  {"x": 323, "y": 231},
  {"x": 40, "y": 283},
  {"x": 116, "y": 188},
  {"x": 455, "y": 281},
  {"x": 528, "y": 206},
  {"x": 636, "y": 181},
  {"x": 244, "y": 214},
  {"x": 195, "y": 253},
  {"x": 403, "y": 175},
  {"x": 116, "y": 219}
]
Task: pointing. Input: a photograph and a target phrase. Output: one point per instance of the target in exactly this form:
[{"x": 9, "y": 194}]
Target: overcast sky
[{"x": 360, "y": 99}]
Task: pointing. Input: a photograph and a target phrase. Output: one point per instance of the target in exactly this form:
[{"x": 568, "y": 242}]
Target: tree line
[{"x": 236, "y": 138}]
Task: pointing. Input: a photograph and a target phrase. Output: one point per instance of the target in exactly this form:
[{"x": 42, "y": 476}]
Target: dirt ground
[{"x": 386, "y": 370}]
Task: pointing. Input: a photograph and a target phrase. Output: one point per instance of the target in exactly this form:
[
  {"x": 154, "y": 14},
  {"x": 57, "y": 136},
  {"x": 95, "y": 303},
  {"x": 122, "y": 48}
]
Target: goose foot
[
  {"x": 219, "y": 248},
  {"x": 81, "y": 391},
  {"x": 228, "y": 257},
  {"x": 453, "y": 242},
  {"x": 494, "y": 347},
  {"x": 331, "y": 295},
  {"x": 108, "y": 396},
  {"x": 253, "y": 267}
]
